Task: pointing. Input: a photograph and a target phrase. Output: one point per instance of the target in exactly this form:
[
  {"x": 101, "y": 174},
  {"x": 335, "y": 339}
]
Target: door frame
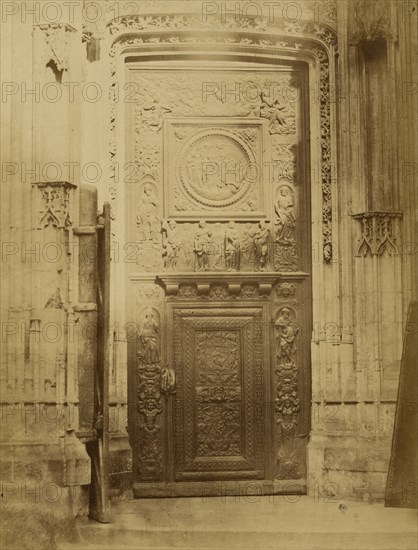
[{"x": 316, "y": 46}]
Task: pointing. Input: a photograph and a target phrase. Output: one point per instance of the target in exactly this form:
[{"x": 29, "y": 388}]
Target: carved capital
[
  {"x": 371, "y": 20},
  {"x": 53, "y": 201},
  {"x": 56, "y": 44},
  {"x": 377, "y": 233}
]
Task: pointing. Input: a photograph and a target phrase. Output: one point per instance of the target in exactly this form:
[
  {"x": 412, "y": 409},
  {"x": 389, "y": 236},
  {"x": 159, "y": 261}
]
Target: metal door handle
[{"x": 168, "y": 380}]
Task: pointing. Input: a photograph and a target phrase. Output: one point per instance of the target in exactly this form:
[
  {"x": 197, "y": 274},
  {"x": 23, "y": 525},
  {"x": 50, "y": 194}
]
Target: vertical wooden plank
[
  {"x": 99, "y": 448},
  {"x": 401, "y": 487}
]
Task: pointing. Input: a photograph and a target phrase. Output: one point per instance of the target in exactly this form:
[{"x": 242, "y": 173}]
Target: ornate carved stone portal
[{"x": 218, "y": 211}]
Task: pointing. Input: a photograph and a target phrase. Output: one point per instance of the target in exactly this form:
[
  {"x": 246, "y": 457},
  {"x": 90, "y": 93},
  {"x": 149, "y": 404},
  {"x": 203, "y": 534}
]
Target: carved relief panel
[
  {"x": 219, "y": 424},
  {"x": 217, "y": 146}
]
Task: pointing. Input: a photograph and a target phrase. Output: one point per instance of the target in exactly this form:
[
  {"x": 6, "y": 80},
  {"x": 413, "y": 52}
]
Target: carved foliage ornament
[
  {"x": 56, "y": 38},
  {"x": 287, "y": 401},
  {"x": 149, "y": 402},
  {"x": 148, "y": 30}
]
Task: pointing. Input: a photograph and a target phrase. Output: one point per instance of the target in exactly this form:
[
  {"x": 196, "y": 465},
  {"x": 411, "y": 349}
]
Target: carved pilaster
[
  {"x": 287, "y": 400},
  {"x": 378, "y": 233}
]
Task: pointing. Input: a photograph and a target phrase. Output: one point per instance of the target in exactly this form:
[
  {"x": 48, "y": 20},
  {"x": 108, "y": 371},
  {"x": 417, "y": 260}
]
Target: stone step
[{"x": 278, "y": 523}]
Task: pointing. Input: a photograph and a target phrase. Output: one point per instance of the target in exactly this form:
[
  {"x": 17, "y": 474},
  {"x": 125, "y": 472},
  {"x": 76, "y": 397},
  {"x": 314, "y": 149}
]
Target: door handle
[{"x": 168, "y": 380}]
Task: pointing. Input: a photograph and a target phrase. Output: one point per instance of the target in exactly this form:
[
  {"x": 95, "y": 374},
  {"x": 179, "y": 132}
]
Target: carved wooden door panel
[
  {"x": 218, "y": 294},
  {"x": 219, "y": 429}
]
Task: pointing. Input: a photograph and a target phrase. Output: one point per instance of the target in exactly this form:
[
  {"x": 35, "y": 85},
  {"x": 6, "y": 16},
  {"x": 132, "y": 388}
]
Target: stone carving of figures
[
  {"x": 201, "y": 245},
  {"x": 170, "y": 244},
  {"x": 232, "y": 248},
  {"x": 148, "y": 350},
  {"x": 147, "y": 218},
  {"x": 261, "y": 246},
  {"x": 248, "y": 243},
  {"x": 274, "y": 112},
  {"x": 287, "y": 332},
  {"x": 285, "y": 222}
]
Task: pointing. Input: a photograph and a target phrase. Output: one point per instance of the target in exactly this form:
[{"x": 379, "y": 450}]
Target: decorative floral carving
[
  {"x": 377, "y": 233},
  {"x": 281, "y": 116},
  {"x": 287, "y": 404}
]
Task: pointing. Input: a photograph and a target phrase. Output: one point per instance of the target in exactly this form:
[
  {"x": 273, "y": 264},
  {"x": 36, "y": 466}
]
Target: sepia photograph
[{"x": 209, "y": 275}]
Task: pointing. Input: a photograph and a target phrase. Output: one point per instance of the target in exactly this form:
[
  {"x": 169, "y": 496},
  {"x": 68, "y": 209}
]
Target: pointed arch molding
[{"x": 313, "y": 41}]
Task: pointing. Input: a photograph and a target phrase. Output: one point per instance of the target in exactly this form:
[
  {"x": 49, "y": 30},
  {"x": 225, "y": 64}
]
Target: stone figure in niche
[
  {"x": 275, "y": 112},
  {"x": 148, "y": 349},
  {"x": 286, "y": 335},
  {"x": 261, "y": 242},
  {"x": 285, "y": 217},
  {"x": 170, "y": 243},
  {"x": 201, "y": 245},
  {"x": 147, "y": 217},
  {"x": 247, "y": 248},
  {"x": 232, "y": 248}
]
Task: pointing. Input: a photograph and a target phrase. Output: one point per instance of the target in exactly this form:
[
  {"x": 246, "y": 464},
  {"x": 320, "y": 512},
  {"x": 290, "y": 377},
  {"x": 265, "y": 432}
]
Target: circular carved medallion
[{"x": 216, "y": 168}]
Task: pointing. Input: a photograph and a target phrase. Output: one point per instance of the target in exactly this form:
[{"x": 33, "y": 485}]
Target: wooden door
[{"x": 218, "y": 294}]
